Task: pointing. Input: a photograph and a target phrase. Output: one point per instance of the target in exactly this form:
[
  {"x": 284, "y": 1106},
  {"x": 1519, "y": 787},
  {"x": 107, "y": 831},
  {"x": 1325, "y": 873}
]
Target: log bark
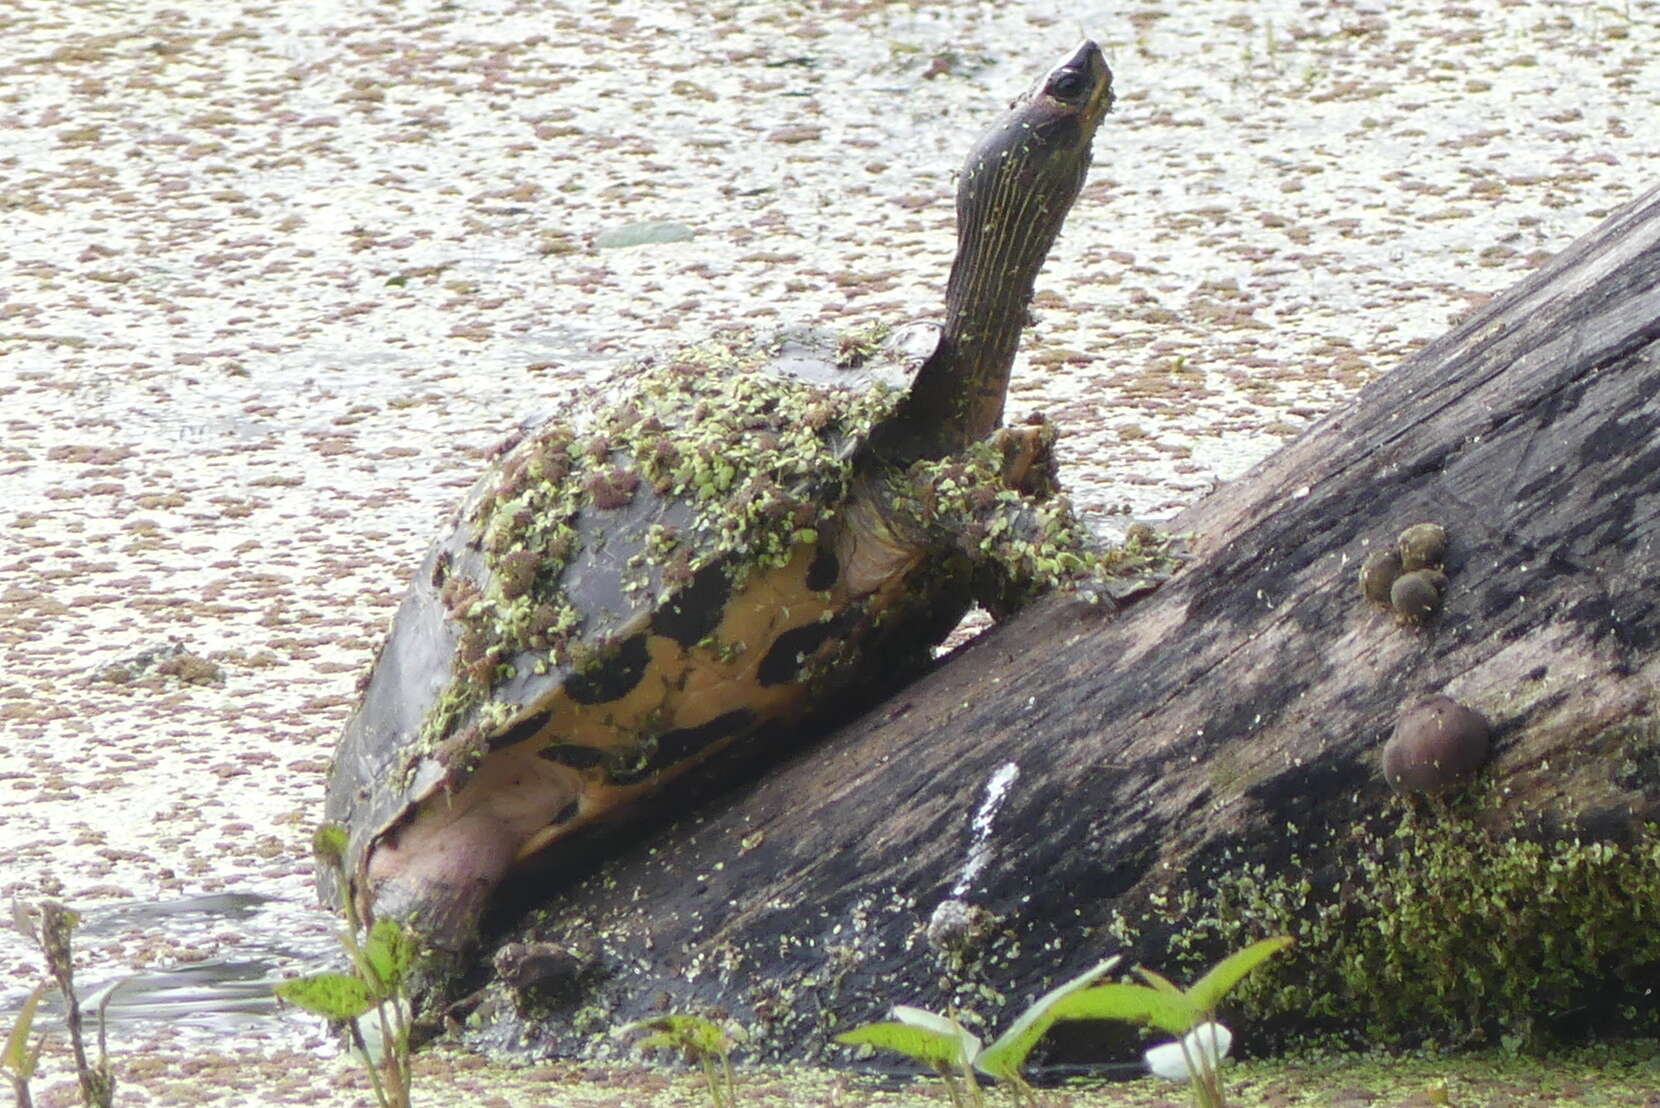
[{"x": 1229, "y": 724}]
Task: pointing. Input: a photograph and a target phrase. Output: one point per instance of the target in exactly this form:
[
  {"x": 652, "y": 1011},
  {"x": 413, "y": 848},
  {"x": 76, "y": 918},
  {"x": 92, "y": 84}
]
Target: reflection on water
[
  {"x": 213, "y": 996},
  {"x": 231, "y": 994}
]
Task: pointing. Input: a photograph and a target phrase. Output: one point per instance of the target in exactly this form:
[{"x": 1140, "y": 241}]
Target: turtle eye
[{"x": 1068, "y": 85}]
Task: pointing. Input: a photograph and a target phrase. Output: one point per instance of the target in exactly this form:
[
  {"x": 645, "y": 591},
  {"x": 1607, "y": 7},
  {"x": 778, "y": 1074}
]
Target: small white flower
[{"x": 1207, "y": 1044}]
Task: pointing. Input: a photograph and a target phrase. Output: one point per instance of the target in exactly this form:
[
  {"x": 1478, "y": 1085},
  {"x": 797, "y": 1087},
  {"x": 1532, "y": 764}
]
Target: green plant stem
[
  {"x": 392, "y": 1057},
  {"x": 951, "y": 1089},
  {"x": 1207, "y": 1091},
  {"x": 57, "y": 923},
  {"x": 368, "y": 1063}
]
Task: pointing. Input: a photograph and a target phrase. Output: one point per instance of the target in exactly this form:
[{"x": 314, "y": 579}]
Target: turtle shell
[{"x": 619, "y": 599}]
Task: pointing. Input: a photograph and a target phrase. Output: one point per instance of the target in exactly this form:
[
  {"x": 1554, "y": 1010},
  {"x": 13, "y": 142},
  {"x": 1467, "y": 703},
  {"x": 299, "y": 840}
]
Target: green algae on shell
[{"x": 753, "y": 457}]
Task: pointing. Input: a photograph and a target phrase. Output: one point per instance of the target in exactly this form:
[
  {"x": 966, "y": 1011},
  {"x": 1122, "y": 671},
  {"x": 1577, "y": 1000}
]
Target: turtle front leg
[{"x": 1000, "y": 504}]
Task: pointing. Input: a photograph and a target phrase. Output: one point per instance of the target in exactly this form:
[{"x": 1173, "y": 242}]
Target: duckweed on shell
[{"x": 750, "y": 426}]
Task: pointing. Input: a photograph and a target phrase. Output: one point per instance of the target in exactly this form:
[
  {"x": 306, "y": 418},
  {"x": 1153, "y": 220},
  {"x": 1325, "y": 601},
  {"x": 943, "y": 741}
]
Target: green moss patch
[{"x": 1438, "y": 932}]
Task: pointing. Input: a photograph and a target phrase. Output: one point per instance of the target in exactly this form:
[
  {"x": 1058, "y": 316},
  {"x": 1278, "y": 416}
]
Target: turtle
[{"x": 748, "y": 528}]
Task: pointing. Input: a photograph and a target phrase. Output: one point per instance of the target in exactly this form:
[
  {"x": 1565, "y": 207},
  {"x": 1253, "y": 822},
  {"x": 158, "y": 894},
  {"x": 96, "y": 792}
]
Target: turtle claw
[{"x": 1028, "y": 457}]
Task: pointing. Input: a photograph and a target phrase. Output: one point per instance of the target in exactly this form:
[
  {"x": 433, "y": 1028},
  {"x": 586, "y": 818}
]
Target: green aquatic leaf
[
  {"x": 1208, "y": 991},
  {"x": 389, "y": 952},
  {"x": 335, "y": 996},
  {"x": 1158, "y": 981},
  {"x": 1007, "y": 1054},
  {"x": 1170, "y": 1012},
  {"x": 18, "y": 1058},
  {"x": 930, "y": 1038},
  {"x": 694, "y": 1034}
]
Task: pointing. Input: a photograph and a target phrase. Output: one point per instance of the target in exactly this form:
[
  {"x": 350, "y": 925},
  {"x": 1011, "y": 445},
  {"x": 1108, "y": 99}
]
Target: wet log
[{"x": 1202, "y": 768}]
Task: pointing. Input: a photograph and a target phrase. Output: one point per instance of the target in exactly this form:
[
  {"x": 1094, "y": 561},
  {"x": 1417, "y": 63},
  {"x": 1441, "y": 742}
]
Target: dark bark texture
[{"x": 1230, "y": 723}]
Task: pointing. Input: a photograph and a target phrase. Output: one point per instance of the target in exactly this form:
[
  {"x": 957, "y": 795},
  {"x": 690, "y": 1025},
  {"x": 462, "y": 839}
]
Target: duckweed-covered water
[{"x": 275, "y": 278}]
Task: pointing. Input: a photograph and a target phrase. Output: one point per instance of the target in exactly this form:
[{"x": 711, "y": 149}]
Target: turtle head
[
  {"x": 1018, "y": 184},
  {"x": 1015, "y": 190},
  {"x": 1061, "y": 111}
]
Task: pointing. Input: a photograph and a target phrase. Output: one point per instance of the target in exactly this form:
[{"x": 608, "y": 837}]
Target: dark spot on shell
[
  {"x": 614, "y": 677},
  {"x": 570, "y": 754},
  {"x": 526, "y": 728},
  {"x": 823, "y": 570},
  {"x": 567, "y": 813},
  {"x": 681, "y": 743},
  {"x": 1417, "y": 595},
  {"x": 674, "y": 747},
  {"x": 791, "y": 649},
  {"x": 1438, "y": 745},
  {"x": 632, "y": 775},
  {"x": 1377, "y": 573},
  {"x": 693, "y": 613},
  {"x": 1422, "y": 545}
]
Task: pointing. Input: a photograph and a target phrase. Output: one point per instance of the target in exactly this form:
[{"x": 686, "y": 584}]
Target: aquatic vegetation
[
  {"x": 17, "y": 1057},
  {"x": 942, "y": 1043},
  {"x": 52, "y": 927},
  {"x": 378, "y": 982},
  {"x": 698, "y": 1040},
  {"x": 1190, "y": 1013},
  {"x": 938, "y": 1042},
  {"x": 1456, "y": 935}
]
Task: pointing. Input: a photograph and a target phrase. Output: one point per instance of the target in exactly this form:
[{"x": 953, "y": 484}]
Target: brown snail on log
[{"x": 1438, "y": 745}]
